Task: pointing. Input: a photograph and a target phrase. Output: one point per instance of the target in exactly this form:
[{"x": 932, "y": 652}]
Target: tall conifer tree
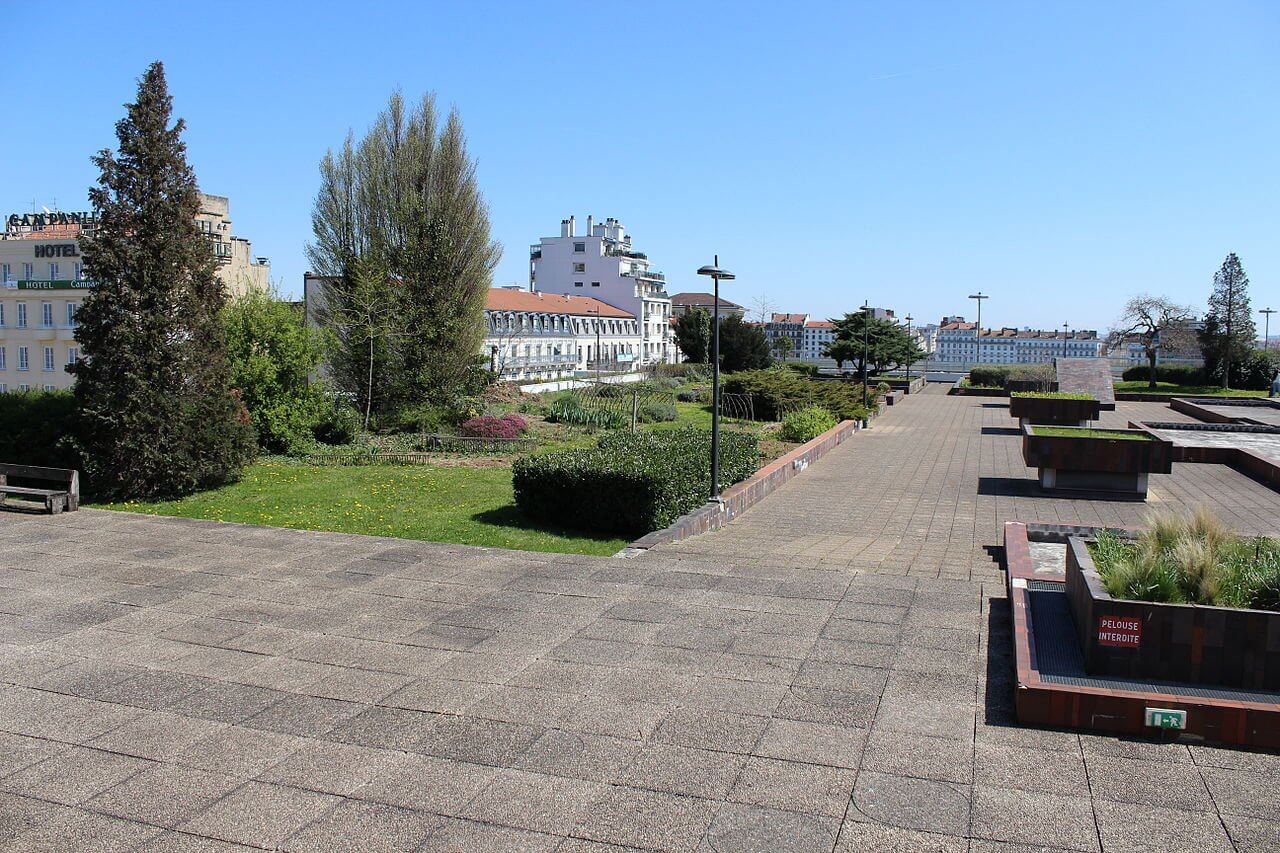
[
  {"x": 156, "y": 414},
  {"x": 1229, "y": 331}
]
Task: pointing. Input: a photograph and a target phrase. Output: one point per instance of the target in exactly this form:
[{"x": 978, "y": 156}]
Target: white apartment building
[
  {"x": 960, "y": 343},
  {"x": 809, "y": 337},
  {"x": 602, "y": 264},
  {"x": 42, "y": 283},
  {"x": 538, "y": 336}
]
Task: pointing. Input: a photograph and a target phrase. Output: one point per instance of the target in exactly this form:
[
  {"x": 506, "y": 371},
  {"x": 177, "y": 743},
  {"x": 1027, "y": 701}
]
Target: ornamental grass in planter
[
  {"x": 1053, "y": 407},
  {"x": 1190, "y": 560}
]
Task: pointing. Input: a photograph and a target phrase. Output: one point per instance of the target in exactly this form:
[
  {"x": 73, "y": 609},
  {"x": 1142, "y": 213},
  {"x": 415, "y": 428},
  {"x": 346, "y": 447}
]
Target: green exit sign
[{"x": 1165, "y": 718}]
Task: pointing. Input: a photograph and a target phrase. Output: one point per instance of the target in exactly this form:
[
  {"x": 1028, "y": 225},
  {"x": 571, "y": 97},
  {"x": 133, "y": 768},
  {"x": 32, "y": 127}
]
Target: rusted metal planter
[
  {"x": 1053, "y": 410},
  {"x": 1108, "y": 466},
  {"x": 1151, "y": 641}
]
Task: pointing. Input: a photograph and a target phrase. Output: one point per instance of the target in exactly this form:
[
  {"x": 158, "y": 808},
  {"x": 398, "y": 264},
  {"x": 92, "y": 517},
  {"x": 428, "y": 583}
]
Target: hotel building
[
  {"x": 539, "y": 336},
  {"x": 602, "y": 264},
  {"x": 42, "y": 283},
  {"x": 960, "y": 343}
]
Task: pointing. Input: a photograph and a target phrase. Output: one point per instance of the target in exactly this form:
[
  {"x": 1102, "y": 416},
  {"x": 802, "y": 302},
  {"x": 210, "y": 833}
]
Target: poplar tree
[
  {"x": 405, "y": 199},
  {"x": 156, "y": 416},
  {"x": 1229, "y": 331}
]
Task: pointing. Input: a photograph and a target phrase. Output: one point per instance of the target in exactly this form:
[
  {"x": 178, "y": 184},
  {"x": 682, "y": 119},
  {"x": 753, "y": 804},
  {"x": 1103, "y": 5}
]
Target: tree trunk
[
  {"x": 368, "y": 397},
  {"x": 1151, "y": 375}
]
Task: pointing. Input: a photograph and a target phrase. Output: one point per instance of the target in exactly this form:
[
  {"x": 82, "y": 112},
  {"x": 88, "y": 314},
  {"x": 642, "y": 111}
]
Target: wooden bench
[{"x": 65, "y": 497}]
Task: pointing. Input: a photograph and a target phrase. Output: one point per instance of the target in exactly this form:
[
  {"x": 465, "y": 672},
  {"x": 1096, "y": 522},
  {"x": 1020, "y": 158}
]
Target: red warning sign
[{"x": 1122, "y": 631}]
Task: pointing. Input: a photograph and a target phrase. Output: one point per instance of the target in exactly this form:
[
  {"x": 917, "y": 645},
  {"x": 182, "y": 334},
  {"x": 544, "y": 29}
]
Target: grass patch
[
  {"x": 1175, "y": 390},
  {"x": 1052, "y": 395},
  {"x": 1086, "y": 432},
  {"x": 466, "y": 506}
]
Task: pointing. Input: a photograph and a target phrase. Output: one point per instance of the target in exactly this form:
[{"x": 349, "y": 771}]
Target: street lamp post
[
  {"x": 911, "y": 348},
  {"x": 977, "y": 341},
  {"x": 866, "y": 346},
  {"x": 716, "y": 275},
  {"x": 1064, "y": 340},
  {"x": 1266, "y": 325}
]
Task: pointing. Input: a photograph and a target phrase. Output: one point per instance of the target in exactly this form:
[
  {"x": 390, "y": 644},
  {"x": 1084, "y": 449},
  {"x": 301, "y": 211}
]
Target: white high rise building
[{"x": 601, "y": 264}]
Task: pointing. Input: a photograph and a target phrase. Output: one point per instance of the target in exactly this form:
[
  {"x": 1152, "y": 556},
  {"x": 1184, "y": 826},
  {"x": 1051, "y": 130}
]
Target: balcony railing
[{"x": 646, "y": 274}]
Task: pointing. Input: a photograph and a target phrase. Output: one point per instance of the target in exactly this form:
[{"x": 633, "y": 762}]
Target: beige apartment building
[{"x": 42, "y": 283}]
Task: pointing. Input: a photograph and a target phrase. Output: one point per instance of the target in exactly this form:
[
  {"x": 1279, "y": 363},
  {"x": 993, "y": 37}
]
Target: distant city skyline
[{"x": 1060, "y": 159}]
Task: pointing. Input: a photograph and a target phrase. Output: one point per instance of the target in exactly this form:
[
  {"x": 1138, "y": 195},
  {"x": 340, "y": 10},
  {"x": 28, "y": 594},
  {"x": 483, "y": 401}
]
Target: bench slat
[{"x": 23, "y": 490}]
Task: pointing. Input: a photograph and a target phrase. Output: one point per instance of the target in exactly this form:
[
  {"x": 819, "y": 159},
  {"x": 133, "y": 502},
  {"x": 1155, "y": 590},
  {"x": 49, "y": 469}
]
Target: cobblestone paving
[{"x": 178, "y": 685}]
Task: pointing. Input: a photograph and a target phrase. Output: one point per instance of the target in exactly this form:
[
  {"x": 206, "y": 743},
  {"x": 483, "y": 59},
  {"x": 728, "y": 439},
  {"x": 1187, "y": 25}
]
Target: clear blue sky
[{"x": 1057, "y": 156}]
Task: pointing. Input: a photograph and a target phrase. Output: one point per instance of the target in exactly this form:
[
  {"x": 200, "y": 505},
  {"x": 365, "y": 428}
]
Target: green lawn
[
  {"x": 467, "y": 506},
  {"x": 1086, "y": 432},
  {"x": 1140, "y": 387}
]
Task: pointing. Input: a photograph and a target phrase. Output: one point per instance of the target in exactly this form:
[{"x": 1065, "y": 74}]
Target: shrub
[
  {"x": 1178, "y": 374},
  {"x": 630, "y": 483},
  {"x": 803, "y": 368},
  {"x": 999, "y": 375},
  {"x": 774, "y": 392},
  {"x": 656, "y": 412},
  {"x": 339, "y": 425},
  {"x": 425, "y": 417},
  {"x": 883, "y": 388},
  {"x": 33, "y": 426},
  {"x": 488, "y": 426},
  {"x": 1051, "y": 395},
  {"x": 807, "y": 423},
  {"x": 693, "y": 395},
  {"x": 690, "y": 371}
]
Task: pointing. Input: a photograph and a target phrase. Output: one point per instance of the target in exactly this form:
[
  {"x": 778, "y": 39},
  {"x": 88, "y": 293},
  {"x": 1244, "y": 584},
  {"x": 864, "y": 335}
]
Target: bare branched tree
[
  {"x": 1157, "y": 323},
  {"x": 762, "y": 308}
]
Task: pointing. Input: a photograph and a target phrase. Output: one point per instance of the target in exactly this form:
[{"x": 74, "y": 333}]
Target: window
[
  {"x": 46, "y": 314},
  {"x": 3, "y": 360},
  {"x": 72, "y": 308},
  {"x": 79, "y": 273},
  {"x": 595, "y": 284},
  {"x": 4, "y": 389},
  {"x": 577, "y": 267},
  {"x": 22, "y": 315},
  {"x": 48, "y": 387},
  {"x": 53, "y": 272},
  {"x": 48, "y": 358},
  {"x": 73, "y": 355},
  {"x": 577, "y": 284},
  {"x": 1, "y": 313},
  {"x": 4, "y": 272},
  {"x": 24, "y": 387},
  {"x": 28, "y": 271},
  {"x": 579, "y": 247},
  {"x": 22, "y": 359}
]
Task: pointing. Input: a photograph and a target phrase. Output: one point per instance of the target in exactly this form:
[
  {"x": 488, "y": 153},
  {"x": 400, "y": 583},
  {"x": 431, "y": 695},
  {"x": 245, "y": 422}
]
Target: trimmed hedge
[
  {"x": 1179, "y": 374},
  {"x": 631, "y": 483},
  {"x": 1051, "y": 395},
  {"x": 776, "y": 392},
  {"x": 998, "y": 375},
  {"x": 34, "y": 428}
]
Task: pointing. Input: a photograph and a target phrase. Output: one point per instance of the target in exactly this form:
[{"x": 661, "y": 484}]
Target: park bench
[{"x": 65, "y": 495}]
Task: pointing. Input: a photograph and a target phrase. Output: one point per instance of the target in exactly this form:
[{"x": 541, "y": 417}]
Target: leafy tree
[
  {"x": 359, "y": 310},
  {"x": 405, "y": 200},
  {"x": 1157, "y": 323},
  {"x": 156, "y": 414},
  {"x": 783, "y": 346},
  {"x": 273, "y": 354},
  {"x": 888, "y": 345},
  {"x": 693, "y": 335},
  {"x": 742, "y": 346},
  {"x": 1229, "y": 332}
]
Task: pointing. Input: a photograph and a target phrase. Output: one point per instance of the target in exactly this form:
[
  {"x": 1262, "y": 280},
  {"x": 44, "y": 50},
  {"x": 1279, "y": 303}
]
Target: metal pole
[
  {"x": 1064, "y": 340},
  {"x": 1226, "y": 373},
  {"x": 866, "y": 331},
  {"x": 910, "y": 350},
  {"x": 1266, "y": 334},
  {"x": 977, "y": 340},
  {"x": 597, "y": 344},
  {"x": 715, "y": 387}
]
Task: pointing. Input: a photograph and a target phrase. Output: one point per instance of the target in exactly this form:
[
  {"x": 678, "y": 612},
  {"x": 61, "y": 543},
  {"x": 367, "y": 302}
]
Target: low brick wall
[
  {"x": 740, "y": 497},
  {"x": 894, "y": 396}
]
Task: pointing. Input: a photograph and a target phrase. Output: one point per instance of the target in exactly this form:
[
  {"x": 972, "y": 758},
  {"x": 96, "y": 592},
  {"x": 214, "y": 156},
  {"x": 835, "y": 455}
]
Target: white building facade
[
  {"x": 602, "y": 264},
  {"x": 960, "y": 343},
  {"x": 537, "y": 336}
]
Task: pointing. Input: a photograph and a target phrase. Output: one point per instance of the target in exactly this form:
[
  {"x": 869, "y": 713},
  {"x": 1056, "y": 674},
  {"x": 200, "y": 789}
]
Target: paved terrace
[{"x": 831, "y": 673}]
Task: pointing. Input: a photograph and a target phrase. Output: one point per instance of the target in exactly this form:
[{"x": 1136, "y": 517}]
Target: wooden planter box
[
  {"x": 1053, "y": 410},
  {"x": 1113, "y": 466},
  {"x": 1219, "y": 646}
]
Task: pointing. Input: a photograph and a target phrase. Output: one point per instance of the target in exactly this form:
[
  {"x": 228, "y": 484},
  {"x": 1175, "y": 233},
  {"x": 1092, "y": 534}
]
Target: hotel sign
[
  {"x": 57, "y": 250},
  {"x": 44, "y": 220},
  {"x": 1122, "y": 631},
  {"x": 60, "y": 284}
]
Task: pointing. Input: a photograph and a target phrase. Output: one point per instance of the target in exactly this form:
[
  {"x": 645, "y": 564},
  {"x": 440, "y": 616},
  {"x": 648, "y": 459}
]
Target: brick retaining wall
[{"x": 740, "y": 497}]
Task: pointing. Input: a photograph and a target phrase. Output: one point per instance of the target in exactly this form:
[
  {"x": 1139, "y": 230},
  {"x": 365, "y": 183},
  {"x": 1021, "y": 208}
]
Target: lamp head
[{"x": 715, "y": 272}]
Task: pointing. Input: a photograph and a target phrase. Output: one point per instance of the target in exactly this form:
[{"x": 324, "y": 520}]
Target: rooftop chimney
[
  {"x": 573, "y": 228},
  {"x": 589, "y": 222}
]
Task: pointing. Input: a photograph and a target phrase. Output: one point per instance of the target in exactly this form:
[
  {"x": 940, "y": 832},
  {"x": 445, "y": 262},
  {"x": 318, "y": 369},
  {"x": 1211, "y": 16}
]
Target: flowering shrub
[
  {"x": 487, "y": 426},
  {"x": 807, "y": 423}
]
